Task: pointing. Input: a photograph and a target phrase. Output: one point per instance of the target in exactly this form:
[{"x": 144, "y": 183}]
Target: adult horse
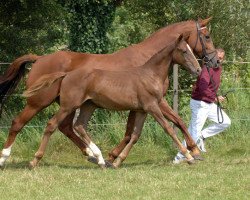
[
  {"x": 142, "y": 90},
  {"x": 195, "y": 33}
]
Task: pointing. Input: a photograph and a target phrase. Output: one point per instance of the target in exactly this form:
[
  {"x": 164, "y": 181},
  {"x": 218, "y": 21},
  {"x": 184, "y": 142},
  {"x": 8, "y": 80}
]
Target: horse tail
[
  {"x": 44, "y": 81},
  {"x": 13, "y": 75}
]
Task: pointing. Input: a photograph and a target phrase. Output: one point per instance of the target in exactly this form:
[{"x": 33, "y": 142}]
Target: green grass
[{"x": 147, "y": 173}]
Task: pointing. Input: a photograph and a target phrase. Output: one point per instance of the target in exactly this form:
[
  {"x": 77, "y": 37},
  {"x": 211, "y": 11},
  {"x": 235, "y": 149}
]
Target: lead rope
[{"x": 219, "y": 109}]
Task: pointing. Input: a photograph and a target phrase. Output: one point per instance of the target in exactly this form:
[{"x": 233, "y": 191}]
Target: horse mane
[
  {"x": 170, "y": 28},
  {"x": 170, "y": 45}
]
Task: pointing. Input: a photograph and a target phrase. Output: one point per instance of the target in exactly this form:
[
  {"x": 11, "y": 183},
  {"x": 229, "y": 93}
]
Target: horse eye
[{"x": 207, "y": 36}]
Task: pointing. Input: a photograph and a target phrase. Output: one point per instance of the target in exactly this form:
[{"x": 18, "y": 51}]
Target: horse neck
[
  {"x": 160, "y": 63},
  {"x": 162, "y": 37}
]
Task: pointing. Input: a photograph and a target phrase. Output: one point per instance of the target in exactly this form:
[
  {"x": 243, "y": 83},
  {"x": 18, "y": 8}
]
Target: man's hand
[{"x": 220, "y": 98}]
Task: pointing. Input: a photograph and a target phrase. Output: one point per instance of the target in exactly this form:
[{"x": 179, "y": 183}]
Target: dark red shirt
[{"x": 203, "y": 89}]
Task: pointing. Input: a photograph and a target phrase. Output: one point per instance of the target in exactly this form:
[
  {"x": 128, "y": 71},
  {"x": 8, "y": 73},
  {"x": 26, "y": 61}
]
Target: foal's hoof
[
  {"x": 2, "y": 167},
  {"x": 31, "y": 165},
  {"x": 109, "y": 164},
  {"x": 198, "y": 157},
  {"x": 191, "y": 161}
]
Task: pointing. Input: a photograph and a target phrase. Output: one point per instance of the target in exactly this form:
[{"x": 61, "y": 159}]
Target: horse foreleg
[
  {"x": 49, "y": 130},
  {"x": 138, "y": 125},
  {"x": 156, "y": 112},
  {"x": 169, "y": 113},
  {"x": 17, "y": 124},
  {"x": 114, "y": 153}
]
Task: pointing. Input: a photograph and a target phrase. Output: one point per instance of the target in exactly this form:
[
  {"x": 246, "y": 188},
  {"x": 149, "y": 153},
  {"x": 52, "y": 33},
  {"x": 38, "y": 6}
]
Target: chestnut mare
[
  {"x": 140, "y": 89},
  {"x": 195, "y": 33}
]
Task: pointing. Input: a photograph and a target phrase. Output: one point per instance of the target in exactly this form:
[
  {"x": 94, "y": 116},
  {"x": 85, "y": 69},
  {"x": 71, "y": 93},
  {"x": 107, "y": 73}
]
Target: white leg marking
[
  {"x": 97, "y": 153},
  {"x": 5, "y": 155},
  {"x": 89, "y": 152}
]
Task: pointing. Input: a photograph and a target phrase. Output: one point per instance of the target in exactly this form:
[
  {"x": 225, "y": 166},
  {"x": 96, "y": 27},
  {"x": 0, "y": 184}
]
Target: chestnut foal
[{"x": 141, "y": 88}]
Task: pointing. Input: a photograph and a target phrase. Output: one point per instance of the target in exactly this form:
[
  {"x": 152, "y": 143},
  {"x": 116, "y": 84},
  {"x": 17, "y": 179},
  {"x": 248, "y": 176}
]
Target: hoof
[
  {"x": 2, "y": 167},
  {"x": 31, "y": 165},
  {"x": 191, "y": 161},
  {"x": 92, "y": 159},
  {"x": 198, "y": 157},
  {"x": 102, "y": 166},
  {"x": 108, "y": 164}
]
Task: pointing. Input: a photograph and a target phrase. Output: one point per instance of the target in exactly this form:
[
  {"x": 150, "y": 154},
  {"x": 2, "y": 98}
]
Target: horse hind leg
[
  {"x": 138, "y": 125},
  {"x": 115, "y": 152},
  {"x": 17, "y": 124},
  {"x": 92, "y": 150},
  {"x": 66, "y": 127}
]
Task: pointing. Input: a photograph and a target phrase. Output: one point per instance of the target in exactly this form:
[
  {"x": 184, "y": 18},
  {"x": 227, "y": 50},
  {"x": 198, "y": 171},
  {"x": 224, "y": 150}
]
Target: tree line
[{"x": 104, "y": 26}]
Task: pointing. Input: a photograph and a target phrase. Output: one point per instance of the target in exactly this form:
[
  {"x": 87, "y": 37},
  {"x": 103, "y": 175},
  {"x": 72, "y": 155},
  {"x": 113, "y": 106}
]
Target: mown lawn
[{"x": 147, "y": 174}]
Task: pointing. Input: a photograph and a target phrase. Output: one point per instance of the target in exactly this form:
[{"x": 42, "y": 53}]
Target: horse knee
[
  {"x": 50, "y": 128},
  {"x": 16, "y": 126}
]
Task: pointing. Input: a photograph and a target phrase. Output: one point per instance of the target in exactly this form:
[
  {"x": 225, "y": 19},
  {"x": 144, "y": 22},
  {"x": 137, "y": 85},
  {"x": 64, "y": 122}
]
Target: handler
[{"x": 203, "y": 106}]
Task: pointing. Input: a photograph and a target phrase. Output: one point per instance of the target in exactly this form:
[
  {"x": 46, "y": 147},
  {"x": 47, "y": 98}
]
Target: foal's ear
[
  {"x": 204, "y": 22},
  {"x": 179, "y": 39}
]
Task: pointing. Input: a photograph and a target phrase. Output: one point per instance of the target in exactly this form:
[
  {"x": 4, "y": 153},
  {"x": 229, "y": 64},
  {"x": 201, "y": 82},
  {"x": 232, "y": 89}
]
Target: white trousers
[{"x": 201, "y": 111}]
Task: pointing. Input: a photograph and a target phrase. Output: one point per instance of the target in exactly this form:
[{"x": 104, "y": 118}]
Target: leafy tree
[
  {"x": 89, "y": 23},
  {"x": 28, "y": 26}
]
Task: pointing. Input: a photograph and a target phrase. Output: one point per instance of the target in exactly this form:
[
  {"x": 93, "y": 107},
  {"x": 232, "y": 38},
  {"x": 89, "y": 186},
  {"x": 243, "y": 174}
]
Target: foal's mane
[{"x": 170, "y": 45}]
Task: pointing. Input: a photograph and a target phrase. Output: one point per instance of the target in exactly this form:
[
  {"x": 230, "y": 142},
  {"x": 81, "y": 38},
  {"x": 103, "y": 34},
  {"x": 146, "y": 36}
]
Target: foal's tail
[
  {"x": 13, "y": 75},
  {"x": 44, "y": 81}
]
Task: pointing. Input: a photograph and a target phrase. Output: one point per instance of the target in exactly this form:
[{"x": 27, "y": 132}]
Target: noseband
[{"x": 205, "y": 55}]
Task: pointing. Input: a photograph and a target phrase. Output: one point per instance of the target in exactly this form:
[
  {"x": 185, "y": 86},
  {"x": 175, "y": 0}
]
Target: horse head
[
  {"x": 201, "y": 42},
  {"x": 183, "y": 55}
]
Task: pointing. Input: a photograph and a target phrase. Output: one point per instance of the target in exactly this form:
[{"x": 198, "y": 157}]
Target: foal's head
[{"x": 183, "y": 55}]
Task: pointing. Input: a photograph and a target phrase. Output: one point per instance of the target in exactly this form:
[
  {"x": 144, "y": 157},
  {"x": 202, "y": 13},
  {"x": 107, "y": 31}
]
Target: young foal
[{"x": 141, "y": 88}]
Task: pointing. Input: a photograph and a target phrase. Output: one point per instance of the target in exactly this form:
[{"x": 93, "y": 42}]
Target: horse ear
[
  {"x": 179, "y": 38},
  {"x": 204, "y": 22}
]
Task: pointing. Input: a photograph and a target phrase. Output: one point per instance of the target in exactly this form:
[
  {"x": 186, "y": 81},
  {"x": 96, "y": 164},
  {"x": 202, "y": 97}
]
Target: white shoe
[
  {"x": 200, "y": 144},
  {"x": 179, "y": 158}
]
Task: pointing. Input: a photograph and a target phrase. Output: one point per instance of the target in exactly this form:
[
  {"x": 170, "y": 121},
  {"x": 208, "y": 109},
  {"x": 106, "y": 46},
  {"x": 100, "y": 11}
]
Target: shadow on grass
[{"x": 25, "y": 165}]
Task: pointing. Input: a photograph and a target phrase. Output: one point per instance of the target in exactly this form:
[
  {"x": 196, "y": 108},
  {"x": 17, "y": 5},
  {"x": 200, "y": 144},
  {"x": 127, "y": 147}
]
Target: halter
[
  {"x": 205, "y": 55},
  {"x": 206, "y": 59}
]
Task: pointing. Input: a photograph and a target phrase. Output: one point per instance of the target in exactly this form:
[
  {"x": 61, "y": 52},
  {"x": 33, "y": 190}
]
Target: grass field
[{"x": 147, "y": 173}]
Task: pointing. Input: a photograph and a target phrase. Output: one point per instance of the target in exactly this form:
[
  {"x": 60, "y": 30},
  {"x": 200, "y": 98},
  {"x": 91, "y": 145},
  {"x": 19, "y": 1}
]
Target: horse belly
[{"x": 115, "y": 101}]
